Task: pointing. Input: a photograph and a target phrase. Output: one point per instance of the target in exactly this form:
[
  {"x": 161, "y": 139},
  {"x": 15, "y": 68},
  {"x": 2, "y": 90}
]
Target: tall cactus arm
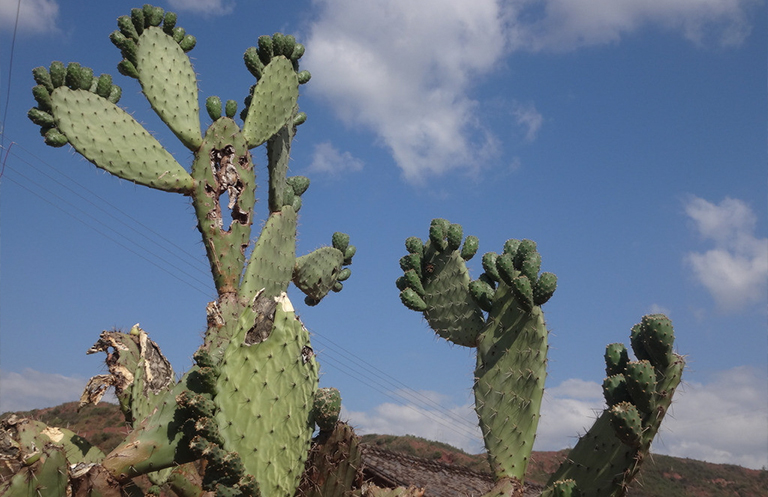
[
  {"x": 511, "y": 359},
  {"x": 223, "y": 170},
  {"x": 436, "y": 282},
  {"x": 607, "y": 458},
  {"x": 272, "y": 103},
  {"x": 154, "y": 49}
]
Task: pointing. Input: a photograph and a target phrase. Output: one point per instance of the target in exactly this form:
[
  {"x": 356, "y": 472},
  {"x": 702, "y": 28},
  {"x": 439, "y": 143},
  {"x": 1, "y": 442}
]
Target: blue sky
[{"x": 626, "y": 138}]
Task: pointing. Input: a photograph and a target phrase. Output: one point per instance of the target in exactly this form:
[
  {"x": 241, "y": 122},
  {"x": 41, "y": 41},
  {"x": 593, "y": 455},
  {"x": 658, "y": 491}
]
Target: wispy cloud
[
  {"x": 565, "y": 25},
  {"x": 327, "y": 159},
  {"x": 406, "y": 70},
  {"x": 735, "y": 271},
  {"x": 723, "y": 421},
  {"x": 695, "y": 427},
  {"x": 32, "y": 389},
  {"x": 203, "y": 7},
  {"x": 529, "y": 118},
  {"x": 403, "y": 69},
  {"x": 35, "y": 16}
]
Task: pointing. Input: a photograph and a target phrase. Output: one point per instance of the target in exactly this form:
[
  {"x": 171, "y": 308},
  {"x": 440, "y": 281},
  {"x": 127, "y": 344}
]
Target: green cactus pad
[
  {"x": 616, "y": 358},
  {"x": 44, "y": 475},
  {"x": 316, "y": 273},
  {"x": 657, "y": 335},
  {"x": 521, "y": 287},
  {"x": 411, "y": 299},
  {"x": 112, "y": 140},
  {"x": 509, "y": 385},
  {"x": 169, "y": 83},
  {"x": 544, "y": 288},
  {"x": 469, "y": 249},
  {"x": 615, "y": 390},
  {"x": 334, "y": 466},
  {"x": 271, "y": 263},
  {"x": 265, "y": 397},
  {"x": 273, "y": 102},
  {"x": 625, "y": 419},
  {"x": 641, "y": 384}
]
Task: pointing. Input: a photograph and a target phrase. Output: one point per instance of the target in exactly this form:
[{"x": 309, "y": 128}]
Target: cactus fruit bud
[
  {"x": 213, "y": 106},
  {"x": 78, "y": 77},
  {"x": 489, "y": 266},
  {"x": 636, "y": 340},
  {"x": 615, "y": 390},
  {"x": 454, "y": 235},
  {"x": 55, "y": 138},
  {"x": 411, "y": 300},
  {"x": 153, "y": 16},
  {"x": 265, "y": 49},
  {"x": 304, "y": 77},
  {"x": 521, "y": 287},
  {"x": 531, "y": 265},
  {"x": 41, "y": 118},
  {"x": 43, "y": 78},
  {"x": 544, "y": 288},
  {"x": 230, "y": 108},
  {"x": 104, "y": 85},
  {"x": 326, "y": 408},
  {"x": 616, "y": 359},
  {"x": 411, "y": 262},
  {"x": 137, "y": 18},
  {"x": 349, "y": 254},
  {"x": 188, "y": 43},
  {"x": 412, "y": 280},
  {"x": 414, "y": 245},
  {"x": 252, "y": 62},
  {"x": 300, "y": 119},
  {"x": 469, "y": 249},
  {"x": 127, "y": 28},
  {"x": 298, "y": 51},
  {"x": 126, "y": 68},
  {"x": 482, "y": 293},
  {"x": 506, "y": 269},
  {"x": 437, "y": 233},
  {"x": 299, "y": 184},
  {"x": 658, "y": 337},
  {"x": 340, "y": 241},
  {"x": 178, "y": 34},
  {"x": 510, "y": 246},
  {"x": 641, "y": 383},
  {"x": 58, "y": 73},
  {"x": 344, "y": 274},
  {"x": 526, "y": 248},
  {"x": 169, "y": 22},
  {"x": 627, "y": 424}
]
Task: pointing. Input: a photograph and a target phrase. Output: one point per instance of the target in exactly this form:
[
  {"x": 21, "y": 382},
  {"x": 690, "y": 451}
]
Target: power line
[{"x": 10, "y": 73}]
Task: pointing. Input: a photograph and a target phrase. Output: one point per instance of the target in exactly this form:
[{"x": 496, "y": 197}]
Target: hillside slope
[{"x": 661, "y": 476}]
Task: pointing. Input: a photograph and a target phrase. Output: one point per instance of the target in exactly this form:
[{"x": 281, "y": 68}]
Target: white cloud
[
  {"x": 204, "y": 7},
  {"x": 564, "y": 25},
  {"x": 403, "y": 69},
  {"x": 725, "y": 421},
  {"x": 327, "y": 159},
  {"x": 35, "y": 16},
  {"x": 528, "y": 117},
  {"x": 735, "y": 271},
  {"x": 34, "y": 390},
  {"x": 455, "y": 425}
]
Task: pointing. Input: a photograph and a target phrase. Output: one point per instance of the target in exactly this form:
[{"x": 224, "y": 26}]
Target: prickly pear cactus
[
  {"x": 247, "y": 406},
  {"x": 500, "y": 315}
]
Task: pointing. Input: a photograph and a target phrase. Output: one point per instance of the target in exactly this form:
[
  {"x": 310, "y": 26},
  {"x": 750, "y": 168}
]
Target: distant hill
[{"x": 660, "y": 476}]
